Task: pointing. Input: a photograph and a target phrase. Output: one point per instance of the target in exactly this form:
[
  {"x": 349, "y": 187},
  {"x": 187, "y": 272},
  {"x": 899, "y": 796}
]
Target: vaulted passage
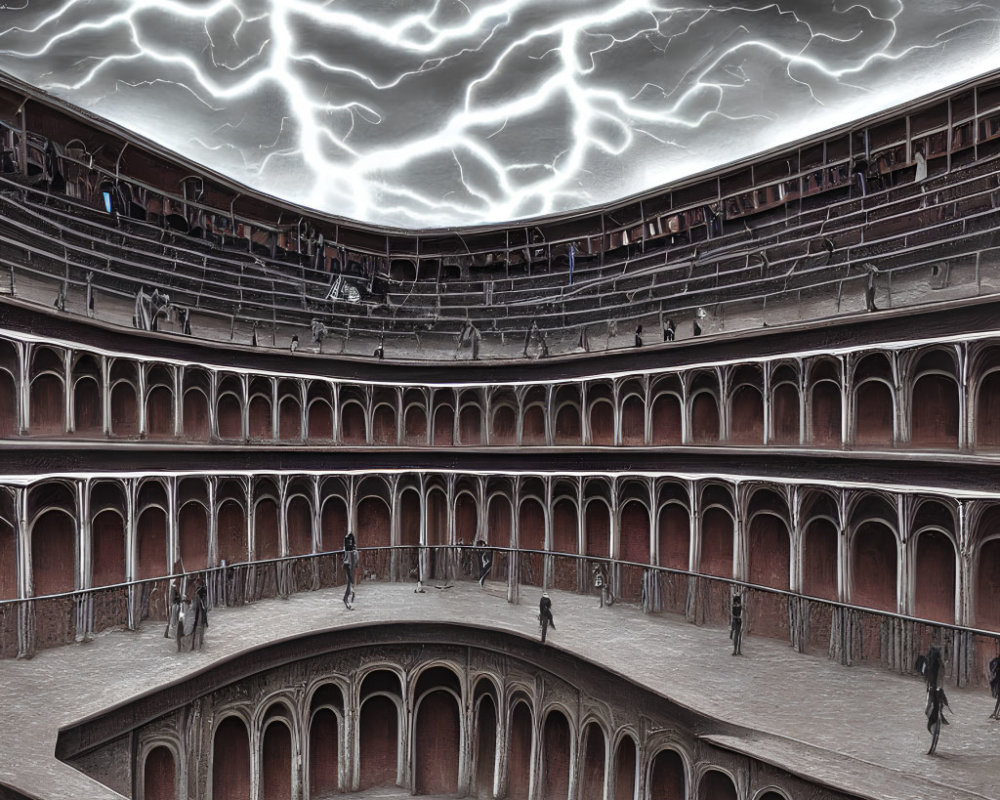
[
  {"x": 592, "y": 777},
  {"x": 625, "y": 767},
  {"x": 555, "y": 757},
  {"x": 519, "y": 753},
  {"x": 716, "y": 785},
  {"x": 874, "y": 561},
  {"x": 378, "y": 743},
  {"x": 159, "y": 776},
  {"x": 486, "y": 747},
  {"x": 231, "y": 761},
  {"x": 438, "y": 737},
  {"x": 323, "y": 753},
  {"x": 666, "y": 778}
]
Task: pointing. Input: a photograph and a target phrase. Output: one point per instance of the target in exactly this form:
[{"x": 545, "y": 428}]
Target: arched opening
[
  {"x": 874, "y": 567},
  {"x": 159, "y": 413},
  {"x": 592, "y": 775},
  {"x": 259, "y": 418},
  {"x": 625, "y": 767},
  {"x": 353, "y": 429},
  {"x": 374, "y": 524},
  {"x": 717, "y": 543},
  {"x": 197, "y": 424},
  {"x": 674, "y": 536},
  {"x": 667, "y": 425},
  {"x": 231, "y": 761},
  {"x": 378, "y": 742},
  {"x": 232, "y": 533},
  {"x": 666, "y": 777},
  {"x": 8, "y": 561},
  {"x": 716, "y": 785},
  {"x": 289, "y": 420},
  {"x": 416, "y": 425},
  {"x": 533, "y": 425},
  {"x": 267, "y": 536},
  {"x": 568, "y": 425},
  {"x": 873, "y": 414},
  {"x": 107, "y": 534},
  {"x": 437, "y": 743},
  {"x": 298, "y": 521},
  {"x": 486, "y": 744},
  {"x": 770, "y": 552},
  {"x": 825, "y": 429},
  {"x": 229, "y": 417},
  {"x": 634, "y": 533},
  {"x": 633, "y": 421},
  {"x": 151, "y": 536},
  {"x": 785, "y": 414},
  {"x": 324, "y": 753},
  {"x": 531, "y": 528},
  {"x": 8, "y": 405},
  {"x": 602, "y": 423},
  {"x": 124, "y": 410},
  {"x": 384, "y": 425},
  {"x": 320, "y": 421},
  {"x": 988, "y": 586},
  {"x": 192, "y": 527},
  {"x": 333, "y": 525},
  {"x": 934, "y": 591},
  {"x": 987, "y": 412},
  {"x": 444, "y": 426},
  {"x": 819, "y": 560},
  {"x": 934, "y": 410},
  {"x": 519, "y": 754},
  {"x": 747, "y": 416},
  {"x": 597, "y": 530},
  {"x": 555, "y": 757},
  {"x": 504, "y": 428},
  {"x": 159, "y": 775},
  {"x": 46, "y": 404},
  {"x": 704, "y": 418},
  {"x": 87, "y": 411},
  {"x": 470, "y": 425},
  {"x": 276, "y": 762}
]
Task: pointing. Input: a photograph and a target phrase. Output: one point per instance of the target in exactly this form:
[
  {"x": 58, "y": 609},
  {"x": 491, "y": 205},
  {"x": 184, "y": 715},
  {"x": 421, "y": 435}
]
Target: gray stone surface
[{"x": 859, "y": 729}]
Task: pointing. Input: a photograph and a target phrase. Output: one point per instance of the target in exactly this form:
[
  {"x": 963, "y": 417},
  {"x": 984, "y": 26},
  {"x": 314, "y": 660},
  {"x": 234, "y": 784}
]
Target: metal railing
[{"x": 847, "y": 633}]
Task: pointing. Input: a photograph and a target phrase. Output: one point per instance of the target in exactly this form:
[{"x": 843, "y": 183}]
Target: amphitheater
[{"x": 781, "y": 379}]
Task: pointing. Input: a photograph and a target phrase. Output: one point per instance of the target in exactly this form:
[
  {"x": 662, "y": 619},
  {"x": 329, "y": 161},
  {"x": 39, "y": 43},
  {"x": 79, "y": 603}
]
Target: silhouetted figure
[
  {"x": 545, "y": 620},
  {"x": 292, "y": 345},
  {"x": 350, "y": 568},
  {"x": 319, "y": 332},
  {"x": 995, "y": 686},
  {"x": 736, "y": 625},
  {"x": 828, "y": 246},
  {"x": 485, "y": 563},
  {"x": 638, "y": 335},
  {"x": 931, "y": 667},
  {"x": 201, "y": 615},
  {"x": 669, "y": 330},
  {"x": 584, "y": 342},
  {"x": 696, "y": 328},
  {"x": 870, "y": 288},
  {"x": 184, "y": 318},
  {"x": 602, "y": 585},
  {"x": 60, "y": 302},
  {"x": 90, "y": 294},
  {"x": 379, "y": 352}
]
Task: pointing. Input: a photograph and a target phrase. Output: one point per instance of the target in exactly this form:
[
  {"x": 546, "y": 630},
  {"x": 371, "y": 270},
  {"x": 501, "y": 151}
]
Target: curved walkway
[{"x": 857, "y": 729}]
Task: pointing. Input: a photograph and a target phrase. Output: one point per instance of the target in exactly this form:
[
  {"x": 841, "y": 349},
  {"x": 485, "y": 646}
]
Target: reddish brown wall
[
  {"x": 352, "y": 424},
  {"x": 196, "y": 419},
  {"x": 192, "y": 528},
  {"x": 819, "y": 560},
  {"x": 934, "y": 410},
  {"x": 674, "y": 536},
  {"x": 324, "y": 753},
  {"x": 825, "y": 412},
  {"x": 160, "y": 413},
  {"x": 785, "y": 414},
  {"x": 633, "y": 421},
  {"x": 533, "y": 426},
  {"x": 378, "y": 742},
  {"x": 87, "y": 411},
  {"x": 231, "y": 761},
  {"x": 935, "y": 579},
  {"x": 666, "y": 779},
  {"x": 704, "y": 418},
  {"x": 8, "y": 405},
  {"x": 519, "y": 754},
  {"x": 716, "y": 786},
  {"x": 108, "y": 549},
  {"x": 625, "y": 770},
  {"x": 635, "y": 533},
  {"x": 276, "y": 762},
  {"x": 437, "y": 744},
  {"x": 874, "y": 567},
  {"x": 717, "y": 543},
  {"x": 602, "y": 424},
  {"x": 555, "y": 757},
  {"x": 46, "y": 400},
  {"x": 873, "y": 415},
  {"x": 486, "y": 743},
  {"x": 747, "y": 416},
  {"x": 232, "y": 533},
  {"x": 666, "y": 420},
  {"x": 597, "y": 530},
  {"x": 151, "y": 532},
  {"x": 159, "y": 775},
  {"x": 770, "y": 552},
  {"x": 568, "y": 425},
  {"x": 592, "y": 777}
]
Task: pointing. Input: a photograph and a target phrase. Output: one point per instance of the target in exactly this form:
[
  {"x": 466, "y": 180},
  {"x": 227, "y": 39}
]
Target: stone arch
[
  {"x": 533, "y": 415},
  {"x": 197, "y": 419},
  {"x": 519, "y": 751},
  {"x": 592, "y": 772},
  {"x": 499, "y": 520},
  {"x": 934, "y": 400},
  {"x": 384, "y": 424},
  {"x": 353, "y": 425},
  {"x": 597, "y": 528},
  {"x": 192, "y": 532},
  {"x": 229, "y": 408},
  {"x": 470, "y": 420},
  {"x": 874, "y": 412},
  {"x": 233, "y": 546},
  {"x": 333, "y": 521},
  {"x": 825, "y": 404},
  {"x": 557, "y": 756},
  {"x": 319, "y": 412},
  {"x": 626, "y": 768},
  {"x": 45, "y": 391},
  {"x": 746, "y": 414},
  {"x": 820, "y": 547},
  {"x": 874, "y": 564},
  {"x": 151, "y": 557},
  {"x": 259, "y": 410},
  {"x": 437, "y": 731},
  {"x": 567, "y": 429},
  {"x": 88, "y": 405},
  {"x": 717, "y": 541},
  {"x": 107, "y": 534},
  {"x": 716, "y": 785},
  {"x": 705, "y": 421},
  {"x": 667, "y": 775},
  {"x": 326, "y": 719},
  {"x": 299, "y": 523},
  {"x": 8, "y": 549},
  {"x": 934, "y": 587},
  {"x": 159, "y": 774},
  {"x": 485, "y": 724},
  {"x": 266, "y": 525},
  {"x": 379, "y": 730},
  {"x": 785, "y": 410},
  {"x": 666, "y": 414},
  {"x": 53, "y": 552},
  {"x": 633, "y": 415},
  {"x": 289, "y": 411},
  {"x": 673, "y": 527},
  {"x": 634, "y": 532},
  {"x": 9, "y": 403},
  {"x": 231, "y": 760},
  {"x": 769, "y": 544},
  {"x": 277, "y": 776},
  {"x": 601, "y": 416},
  {"x": 374, "y": 522},
  {"x": 503, "y": 427}
]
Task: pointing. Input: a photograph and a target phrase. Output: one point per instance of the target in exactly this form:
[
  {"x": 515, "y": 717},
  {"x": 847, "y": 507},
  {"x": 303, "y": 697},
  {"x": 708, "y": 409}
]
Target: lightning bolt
[{"x": 462, "y": 112}]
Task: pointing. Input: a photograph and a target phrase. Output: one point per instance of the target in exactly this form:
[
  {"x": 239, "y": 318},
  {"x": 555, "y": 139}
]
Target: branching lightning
[{"x": 459, "y": 112}]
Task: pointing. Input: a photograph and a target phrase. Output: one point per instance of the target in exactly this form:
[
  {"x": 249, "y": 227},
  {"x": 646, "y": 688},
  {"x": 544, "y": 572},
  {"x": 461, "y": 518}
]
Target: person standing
[
  {"x": 350, "y": 567},
  {"x": 545, "y": 620},
  {"x": 485, "y": 563},
  {"x": 736, "y": 625}
]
